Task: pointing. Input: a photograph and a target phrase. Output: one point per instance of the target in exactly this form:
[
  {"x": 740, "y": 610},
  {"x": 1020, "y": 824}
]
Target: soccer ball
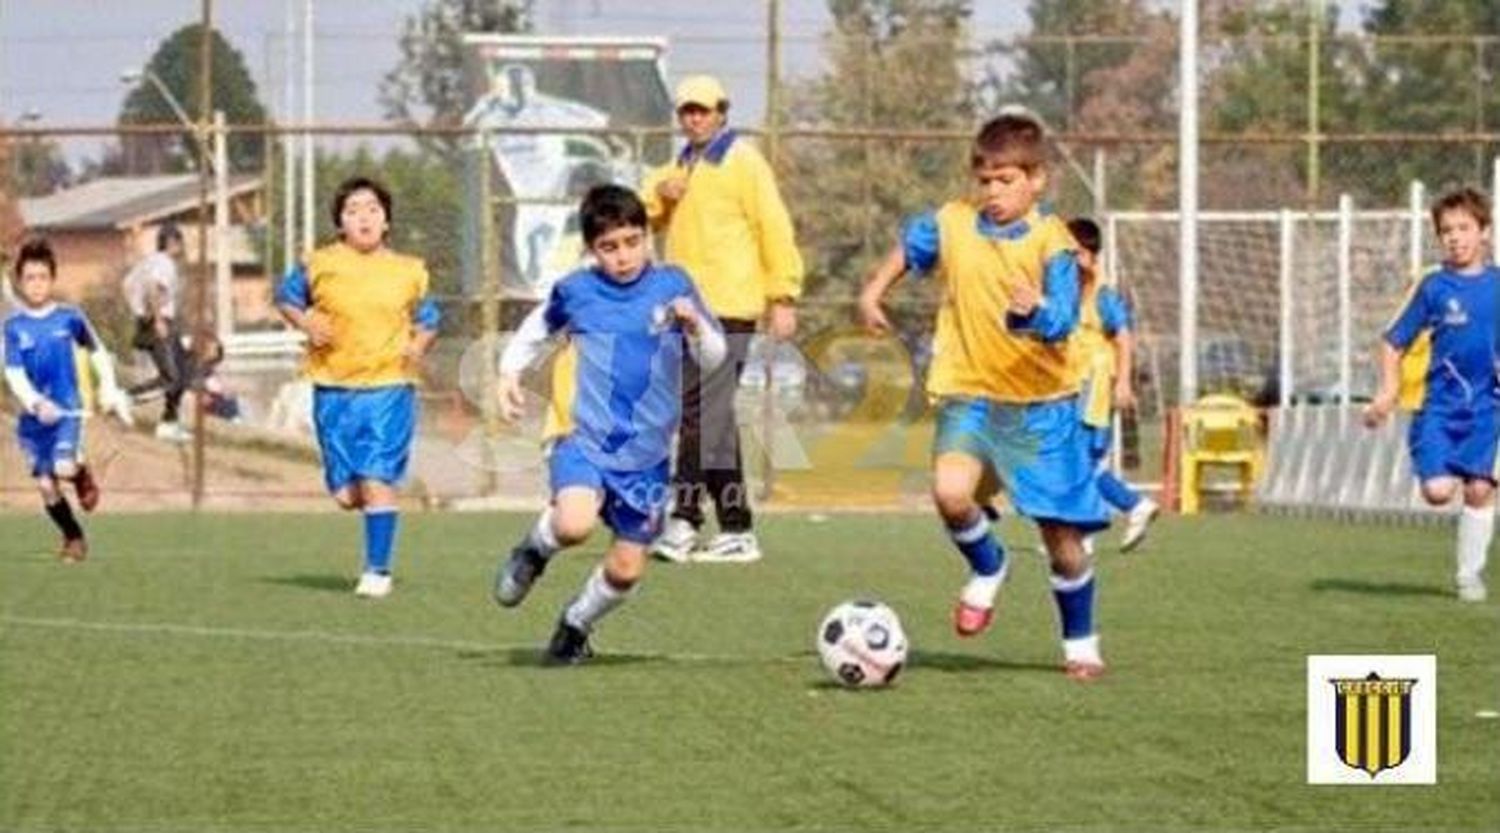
[{"x": 862, "y": 644}]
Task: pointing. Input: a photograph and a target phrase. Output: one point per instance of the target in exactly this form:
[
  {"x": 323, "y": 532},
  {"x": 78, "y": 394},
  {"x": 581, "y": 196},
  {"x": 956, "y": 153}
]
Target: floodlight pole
[
  {"x": 309, "y": 186},
  {"x": 1187, "y": 210}
]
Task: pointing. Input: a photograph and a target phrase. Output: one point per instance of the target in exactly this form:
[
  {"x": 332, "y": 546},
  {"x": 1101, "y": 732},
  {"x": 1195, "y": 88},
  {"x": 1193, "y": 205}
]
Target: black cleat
[
  {"x": 569, "y": 645},
  {"x": 517, "y": 575}
]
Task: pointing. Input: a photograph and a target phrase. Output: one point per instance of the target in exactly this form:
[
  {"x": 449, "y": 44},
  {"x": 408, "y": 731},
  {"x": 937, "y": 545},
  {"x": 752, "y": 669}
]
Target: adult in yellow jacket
[{"x": 724, "y": 222}]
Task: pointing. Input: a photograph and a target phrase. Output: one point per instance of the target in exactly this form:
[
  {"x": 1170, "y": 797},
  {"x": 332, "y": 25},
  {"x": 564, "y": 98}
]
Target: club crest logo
[
  {"x": 1372, "y": 722},
  {"x": 1372, "y": 719},
  {"x": 1454, "y": 314}
]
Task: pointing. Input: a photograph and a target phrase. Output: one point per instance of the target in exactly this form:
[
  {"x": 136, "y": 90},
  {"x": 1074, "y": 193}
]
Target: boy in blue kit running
[
  {"x": 40, "y": 339},
  {"x": 1003, "y": 377},
  {"x": 1454, "y": 433},
  {"x": 1103, "y": 349},
  {"x": 627, "y": 322}
]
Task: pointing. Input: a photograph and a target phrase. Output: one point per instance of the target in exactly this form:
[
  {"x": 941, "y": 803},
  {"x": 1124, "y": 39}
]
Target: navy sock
[
  {"x": 1075, "y": 604},
  {"x": 61, "y": 514},
  {"x": 978, "y": 544}
]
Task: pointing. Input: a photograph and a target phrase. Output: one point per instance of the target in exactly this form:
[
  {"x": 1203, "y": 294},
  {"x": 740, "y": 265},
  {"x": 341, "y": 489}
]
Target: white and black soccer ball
[{"x": 862, "y": 644}]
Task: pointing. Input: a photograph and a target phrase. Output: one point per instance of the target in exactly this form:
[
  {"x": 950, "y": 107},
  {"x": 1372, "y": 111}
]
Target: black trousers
[
  {"x": 709, "y": 464},
  {"x": 171, "y": 364}
]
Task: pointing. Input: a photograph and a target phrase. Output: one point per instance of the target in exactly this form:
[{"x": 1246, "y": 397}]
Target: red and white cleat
[
  {"x": 971, "y": 621},
  {"x": 1083, "y": 671}
]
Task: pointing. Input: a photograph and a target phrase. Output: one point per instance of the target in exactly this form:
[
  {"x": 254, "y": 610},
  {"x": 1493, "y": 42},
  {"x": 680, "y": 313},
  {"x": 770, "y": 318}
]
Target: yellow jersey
[
  {"x": 374, "y": 302},
  {"x": 978, "y": 350}
]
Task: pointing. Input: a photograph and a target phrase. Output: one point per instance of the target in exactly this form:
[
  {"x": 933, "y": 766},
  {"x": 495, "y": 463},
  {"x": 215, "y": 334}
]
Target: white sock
[
  {"x": 980, "y": 590},
  {"x": 597, "y": 598},
  {"x": 1475, "y": 529},
  {"x": 1082, "y": 649},
  {"x": 541, "y": 539}
]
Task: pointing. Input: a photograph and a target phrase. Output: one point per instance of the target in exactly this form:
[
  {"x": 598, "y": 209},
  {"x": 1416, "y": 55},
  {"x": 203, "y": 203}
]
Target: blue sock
[
  {"x": 1075, "y": 604},
  {"x": 380, "y": 538},
  {"x": 978, "y": 544},
  {"x": 1117, "y": 493}
]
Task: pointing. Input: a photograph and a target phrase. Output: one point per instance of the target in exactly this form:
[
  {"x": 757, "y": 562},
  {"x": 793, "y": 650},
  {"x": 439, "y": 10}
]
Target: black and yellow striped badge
[{"x": 1373, "y": 722}]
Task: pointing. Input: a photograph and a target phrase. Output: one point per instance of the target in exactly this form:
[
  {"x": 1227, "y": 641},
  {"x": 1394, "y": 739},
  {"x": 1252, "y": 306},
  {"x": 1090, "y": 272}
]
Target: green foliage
[
  {"x": 176, "y": 62},
  {"x": 427, "y": 87},
  {"x": 893, "y": 64}
]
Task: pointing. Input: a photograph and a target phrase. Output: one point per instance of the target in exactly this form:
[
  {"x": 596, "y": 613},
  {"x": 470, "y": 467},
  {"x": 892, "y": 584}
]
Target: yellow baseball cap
[{"x": 703, "y": 90}]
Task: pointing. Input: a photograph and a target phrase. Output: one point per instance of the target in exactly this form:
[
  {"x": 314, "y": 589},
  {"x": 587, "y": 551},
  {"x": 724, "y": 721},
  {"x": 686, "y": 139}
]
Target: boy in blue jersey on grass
[
  {"x": 40, "y": 369},
  {"x": 1003, "y": 377},
  {"x": 628, "y": 322},
  {"x": 1453, "y": 434},
  {"x": 1103, "y": 349}
]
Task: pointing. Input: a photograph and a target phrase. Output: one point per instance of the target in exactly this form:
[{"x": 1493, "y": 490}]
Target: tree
[
  {"x": 37, "y": 167},
  {"x": 428, "y": 87},
  {"x": 892, "y": 64},
  {"x": 11, "y": 225},
  {"x": 176, "y": 63}
]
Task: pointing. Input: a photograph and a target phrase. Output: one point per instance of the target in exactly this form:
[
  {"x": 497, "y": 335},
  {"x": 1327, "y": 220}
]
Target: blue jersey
[
  {"x": 41, "y": 342},
  {"x": 626, "y": 386},
  {"x": 1462, "y": 312}
]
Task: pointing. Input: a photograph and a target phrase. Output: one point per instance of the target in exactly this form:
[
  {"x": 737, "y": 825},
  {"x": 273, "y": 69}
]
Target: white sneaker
[
  {"x": 730, "y": 548},
  {"x": 1472, "y": 590},
  {"x": 173, "y": 432},
  {"x": 1137, "y": 522},
  {"x": 676, "y": 542},
  {"x": 373, "y": 585}
]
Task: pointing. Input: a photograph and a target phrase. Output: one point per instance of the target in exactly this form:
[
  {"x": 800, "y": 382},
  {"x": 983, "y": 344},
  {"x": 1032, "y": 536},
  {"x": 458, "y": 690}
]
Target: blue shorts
[
  {"x": 47, "y": 445},
  {"x": 364, "y": 433},
  {"x": 1039, "y": 451},
  {"x": 1454, "y": 444},
  {"x": 634, "y": 501}
]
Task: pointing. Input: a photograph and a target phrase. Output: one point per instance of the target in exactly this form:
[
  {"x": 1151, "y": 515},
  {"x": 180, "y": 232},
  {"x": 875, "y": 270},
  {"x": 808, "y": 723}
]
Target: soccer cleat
[
  {"x": 1137, "y": 522},
  {"x": 969, "y": 620},
  {"x": 1472, "y": 590},
  {"x": 87, "y": 488},
  {"x": 73, "y": 551},
  {"x": 517, "y": 575},
  {"x": 373, "y": 585},
  {"x": 676, "y": 542},
  {"x": 569, "y": 645},
  {"x": 1084, "y": 671},
  {"x": 730, "y": 548}
]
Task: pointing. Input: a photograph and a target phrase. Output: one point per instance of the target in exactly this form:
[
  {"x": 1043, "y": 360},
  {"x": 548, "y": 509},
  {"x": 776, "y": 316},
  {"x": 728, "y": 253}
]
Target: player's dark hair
[
  {"x": 608, "y": 207},
  {"x": 1010, "y": 139},
  {"x": 35, "y": 250},
  {"x": 354, "y": 184},
  {"x": 166, "y": 235},
  {"x": 1467, "y": 199},
  {"x": 1086, "y": 233}
]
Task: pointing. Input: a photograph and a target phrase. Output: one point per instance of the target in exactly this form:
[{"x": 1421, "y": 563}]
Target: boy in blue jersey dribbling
[
  {"x": 628, "y": 322},
  {"x": 1454, "y": 434},
  {"x": 41, "y": 370}
]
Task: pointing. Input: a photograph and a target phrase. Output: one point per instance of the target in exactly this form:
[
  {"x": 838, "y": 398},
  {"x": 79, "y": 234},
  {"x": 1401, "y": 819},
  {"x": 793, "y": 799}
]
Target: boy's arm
[
  {"x": 425, "y": 319},
  {"x": 1115, "y": 316},
  {"x": 15, "y": 375},
  {"x": 705, "y": 340},
  {"x": 294, "y": 302},
  {"x": 1052, "y": 316},
  {"x": 658, "y": 206},
  {"x": 527, "y": 345},
  {"x": 885, "y": 275}
]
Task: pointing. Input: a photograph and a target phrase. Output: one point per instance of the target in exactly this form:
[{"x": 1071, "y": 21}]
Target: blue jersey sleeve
[
  {"x": 1056, "y": 316},
  {"x": 1414, "y": 317},
  {"x": 556, "y": 314},
  {"x": 12, "y": 344},
  {"x": 1114, "y": 314},
  {"x": 82, "y": 330},
  {"x": 427, "y": 315},
  {"x": 920, "y": 242},
  {"x": 294, "y": 290}
]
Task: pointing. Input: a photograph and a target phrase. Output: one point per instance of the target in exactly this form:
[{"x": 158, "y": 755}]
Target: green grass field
[{"x": 216, "y": 674}]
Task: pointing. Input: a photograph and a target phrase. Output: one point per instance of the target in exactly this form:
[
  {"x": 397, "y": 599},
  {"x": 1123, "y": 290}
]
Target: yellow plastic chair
[{"x": 1219, "y": 430}]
